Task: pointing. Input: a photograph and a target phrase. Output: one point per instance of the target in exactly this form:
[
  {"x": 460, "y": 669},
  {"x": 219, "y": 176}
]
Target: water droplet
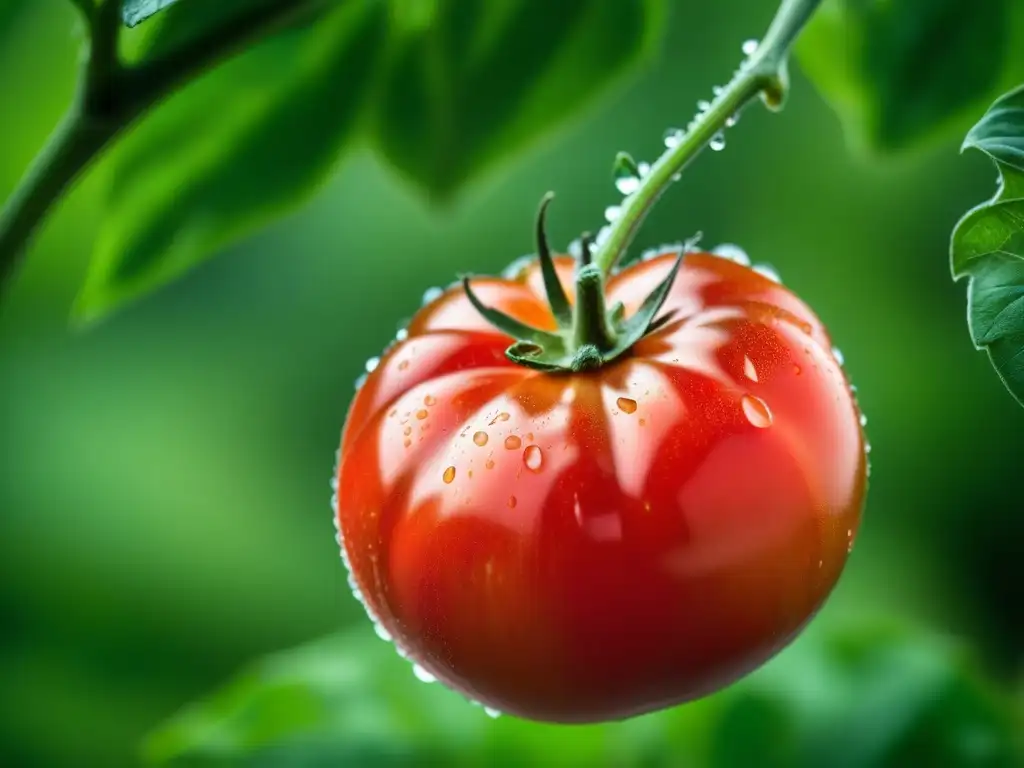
[
  {"x": 821, "y": 563},
  {"x": 867, "y": 447},
  {"x": 643, "y": 422},
  {"x": 672, "y": 138},
  {"x": 449, "y": 474},
  {"x": 732, "y": 253},
  {"x": 512, "y": 442},
  {"x": 602, "y": 236},
  {"x": 489, "y": 464},
  {"x": 360, "y": 381},
  {"x": 643, "y": 169},
  {"x": 371, "y": 364},
  {"x": 512, "y": 502},
  {"x": 749, "y": 47},
  {"x": 627, "y": 174},
  {"x": 717, "y": 142},
  {"x": 703, "y": 106},
  {"x": 717, "y": 90},
  {"x": 422, "y": 675},
  {"x": 732, "y": 119},
  {"x": 768, "y": 271},
  {"x": 407, "y": 431},
  {"x": 492, "y": 713},
  {"x": 403, "y": 365},
  {"x": 429, "y": 400},
  {"x": 407, "y": 442},
  {"x": 838, "y": 355},
  {"x": 382, "y": 633},
  {"x": 797, "y": 369},
  {"x": 421, "y": 414},
  {"x": 533, "y": 458},
  {"x": 611, "y": 213},
  {"x": 529, "y": 437},
  {"x": 748, "y": 368},
  {"x": 863, "y": 420},
  {"x": 432, "y": 294},
  {"x": 480, "y": 438},
  {"x": 402, "y": 335},
  {"x": 626, "y": 404},
  {"x": 757, "y": 412}
]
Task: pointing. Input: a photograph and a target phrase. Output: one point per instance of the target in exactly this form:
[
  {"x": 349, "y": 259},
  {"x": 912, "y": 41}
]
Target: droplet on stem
[
  {"x": 717, "y": 142},
  {"x": 749, "y": 47}
]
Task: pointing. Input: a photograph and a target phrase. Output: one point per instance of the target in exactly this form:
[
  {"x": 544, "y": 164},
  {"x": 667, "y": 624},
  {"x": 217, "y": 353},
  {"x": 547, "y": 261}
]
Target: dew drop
[
  {"x": 403, "y": 365},
  {"x": 432, "y": 294},
  {"x": 732, "y": 252},
  {"x": 797, "y": 369},
  {"x": 627, "y": 185},
  {"x": 672, "y": 138},
  {"x": 407, "y": 442},
  {"x": 533, "y": 458},
  {"x": 402, "y": 335},
  {"x": 717, "y": 142},
  {"x": 489, "y": 464},
  {"x": 382, "y": 633},
  {"x": 449, "y": 475},
  {"x": 429, "y": 400},
  {"x": 611, "y": 213},
  {"x": 838, "y": 355},
  {"x": 768, "y": 271},
  {"x": 500, "y": 417},
  {"x": 749, "y": 47},
  {"x": 863, "y": 420},
  {"x": 480, "y": 438},
  {"x": 626, "y": 404},
  {"x": 627, "y": 174},
  {"x": 422, "y": 675},
  {"x": 371, "y": 364},
  {"x": 757, "y": 412},
  {"x": 360, "y": 381},
  {"x": 421, "y": 414},
  {"x": 643, "y": 169},
  {"x": 492, "y": 713},
  {"x": 748, "y": 368},
  {"x": 512, "y": 442},
  {"x": 731, "y": 120},
  {"x": 407, "y": 431},
  {"x": 512, "y": 502},
  {"x": 717, "y": 90},
  {"x": 703, "y": 106}
]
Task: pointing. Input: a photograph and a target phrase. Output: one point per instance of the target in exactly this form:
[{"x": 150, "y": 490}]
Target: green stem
[
  {"x": 762, "y": 74},
  {"x": 590, "y": 314},
  {"x": 113, "y": 96}
]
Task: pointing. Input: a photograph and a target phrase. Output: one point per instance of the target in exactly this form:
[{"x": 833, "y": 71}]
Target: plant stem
[
  {"x": 762, "y": 74},
  {"x": 113, "y": 96}
]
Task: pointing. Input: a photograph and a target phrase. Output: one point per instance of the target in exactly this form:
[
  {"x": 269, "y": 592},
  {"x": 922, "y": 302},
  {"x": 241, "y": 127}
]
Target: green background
[{"x": 164, "y": 475}]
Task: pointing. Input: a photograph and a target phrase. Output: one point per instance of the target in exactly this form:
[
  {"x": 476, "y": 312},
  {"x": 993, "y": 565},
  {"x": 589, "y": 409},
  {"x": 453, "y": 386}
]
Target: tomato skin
[{"x": 586, "y": 547}]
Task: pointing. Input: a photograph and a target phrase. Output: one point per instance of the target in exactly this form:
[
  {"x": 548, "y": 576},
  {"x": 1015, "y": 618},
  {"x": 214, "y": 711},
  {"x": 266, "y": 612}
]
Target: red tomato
[{"x": 584, "y": 547}]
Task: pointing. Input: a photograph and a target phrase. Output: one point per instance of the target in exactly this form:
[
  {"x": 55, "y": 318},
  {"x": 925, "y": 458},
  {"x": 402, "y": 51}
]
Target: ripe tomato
[{"x": 578, "y": 547}]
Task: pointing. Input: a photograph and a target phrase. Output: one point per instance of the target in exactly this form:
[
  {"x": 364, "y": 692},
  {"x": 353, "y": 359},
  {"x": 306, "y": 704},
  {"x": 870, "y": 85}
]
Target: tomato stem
[
  {"x": 763, "y": 74},
  {"x": 590, "y": 314}
]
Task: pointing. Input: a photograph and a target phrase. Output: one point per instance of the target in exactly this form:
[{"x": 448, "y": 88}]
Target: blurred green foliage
[{"x": 164, "y": 486}]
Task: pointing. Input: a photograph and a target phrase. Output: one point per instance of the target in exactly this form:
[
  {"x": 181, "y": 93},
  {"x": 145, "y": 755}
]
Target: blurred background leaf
[
  {"x": 164, "y": 484},
  {"x": 864, "y": 697},
  {"x": 182, "y": 182},
  {"x": 903, "y": 73},
  {"x": 472, "y": 82}
]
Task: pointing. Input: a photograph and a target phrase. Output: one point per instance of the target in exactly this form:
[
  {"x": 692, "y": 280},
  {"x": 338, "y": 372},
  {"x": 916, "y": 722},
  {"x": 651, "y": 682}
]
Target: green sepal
[
  {"x": 557, "y": 299},
  {"x": 507, "y": 324}
]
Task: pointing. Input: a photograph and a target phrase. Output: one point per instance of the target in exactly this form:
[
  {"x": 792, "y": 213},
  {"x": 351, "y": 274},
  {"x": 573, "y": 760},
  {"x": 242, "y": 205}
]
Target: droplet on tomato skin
[
  {"x": 732, "y": 252},
  {"x": 797, "y": 369},
  {"x": 407, "y": 442},
  {"x": 533, "y": 458},
  {"x": 748, "y": 368},
  {"x": 626, "y": 404},
  {"x": 429, "y": 400},
  {"x": 863, "y": 420},
  {"x": 492, "y": 713},
  {"x": 500, "y": 417},
  {"x": 421, "y": 414},
  {"x": 757, "y": 412},
  {"x": 768, "y": 271},
  {"x": 480, "y": 438},
  {"x": 382, "y": 633},
  {"x": 512, "y": 502},
  {"x": 643, "y": 422},
  {"x": 403, "y": 365},
  {"x": 407, "y": 431},
  {"x": 838, "y": 355},
  {"x": 360, "y": 380},
  {"x": 512, "y": 442},
  {"x": 489, "y": 464},
  {"x": 422, "y": 675},
  {"x": 449, "y": 475},
  {"x": 432, "y": 294}
]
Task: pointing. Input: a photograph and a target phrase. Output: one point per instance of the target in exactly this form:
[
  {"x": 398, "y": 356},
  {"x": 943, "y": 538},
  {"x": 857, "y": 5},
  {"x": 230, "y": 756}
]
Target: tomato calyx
[{"x": 589, "y": 334}]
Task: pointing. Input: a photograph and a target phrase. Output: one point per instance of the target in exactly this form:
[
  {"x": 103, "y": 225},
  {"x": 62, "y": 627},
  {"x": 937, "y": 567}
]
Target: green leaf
[
  {"x": 900, "y": 73},
  {"x": 472, "y": 81},
  {"x": 246, "y": 142},
  {"x": 865, "y": 697},
  {"x": 988, "y": 245},
  {"x": 137, "y": 11}
]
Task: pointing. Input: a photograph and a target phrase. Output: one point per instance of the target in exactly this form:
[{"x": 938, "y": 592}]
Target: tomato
[{"x": 584, "y": 546}]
